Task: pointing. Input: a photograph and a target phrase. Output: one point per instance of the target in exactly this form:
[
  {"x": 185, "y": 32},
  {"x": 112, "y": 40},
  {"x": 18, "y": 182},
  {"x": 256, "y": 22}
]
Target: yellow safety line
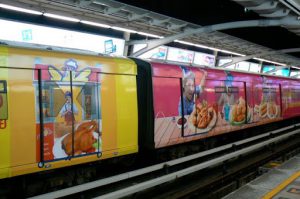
[{"x": 285, "y": 183}]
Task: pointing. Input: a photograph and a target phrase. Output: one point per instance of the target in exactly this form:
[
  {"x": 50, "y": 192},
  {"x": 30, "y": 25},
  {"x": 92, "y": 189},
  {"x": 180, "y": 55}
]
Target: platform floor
[{"x": 282, "y": 182}]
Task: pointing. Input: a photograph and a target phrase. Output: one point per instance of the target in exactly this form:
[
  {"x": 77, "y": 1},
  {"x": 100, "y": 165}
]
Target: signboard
[
  {"x": 22, "y": 32},
  {"x": 179, "y": 55},
  {"x": 204, "y": 59}
]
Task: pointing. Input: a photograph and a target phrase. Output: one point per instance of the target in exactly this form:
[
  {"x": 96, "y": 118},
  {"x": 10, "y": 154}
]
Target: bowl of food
[
  {"x": 182, "y": 121},
  {"x": 238, "y": 112},
  {"x": 203, "y": 116},
  {"x": 263, "y": 110},
  {"x": 272, "y": 110}
]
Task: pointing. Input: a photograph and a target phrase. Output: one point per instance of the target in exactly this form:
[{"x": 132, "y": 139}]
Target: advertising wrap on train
[{"x": 188, "y": 102}]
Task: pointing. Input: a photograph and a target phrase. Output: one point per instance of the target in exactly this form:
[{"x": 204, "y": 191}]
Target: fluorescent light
[
  {"x": 150, "y": 35},
  {"x": 20, "y": 9},
  {"x": 297, "y": 67},
  {"x": 230, "y": 52},
  {"x": 61, "y": 17},
  {"x": 184, "y": 42},
  {"x": 95, "y": 24},
  {"x": 273, "y": 62},
  {"x": 210, "y": 48},
  {"x": 123, "y": 29}
]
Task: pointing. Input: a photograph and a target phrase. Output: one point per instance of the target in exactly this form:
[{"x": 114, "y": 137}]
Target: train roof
[
  {"x": 219, "y": 69},
  {"x": 105, "y": 63}
]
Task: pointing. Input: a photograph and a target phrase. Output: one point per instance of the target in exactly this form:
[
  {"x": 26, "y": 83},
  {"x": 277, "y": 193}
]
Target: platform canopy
[{"x": 164, "y": 29}]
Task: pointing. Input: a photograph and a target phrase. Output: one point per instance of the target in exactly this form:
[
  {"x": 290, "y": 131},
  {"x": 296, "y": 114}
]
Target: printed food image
[
  {"x": 263, "y": 110},
  {"x": 238, "y": 112},
  {"x": 272, "y": 110},
  {"x": 83, "y": 139},
  {"x": 202, "y": 115},
  {"x": 182, "y": 121},
  {"x": 267, "y": 109}
]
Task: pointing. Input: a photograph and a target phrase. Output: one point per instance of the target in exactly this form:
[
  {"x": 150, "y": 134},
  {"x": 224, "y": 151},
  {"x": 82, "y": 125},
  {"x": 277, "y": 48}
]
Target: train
[{"x": 60, "y": 108}]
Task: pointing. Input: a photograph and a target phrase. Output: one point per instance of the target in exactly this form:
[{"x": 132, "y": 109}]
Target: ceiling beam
[
  {"x": 151, "y": 44},
  {"x": 235, "y": 60}
]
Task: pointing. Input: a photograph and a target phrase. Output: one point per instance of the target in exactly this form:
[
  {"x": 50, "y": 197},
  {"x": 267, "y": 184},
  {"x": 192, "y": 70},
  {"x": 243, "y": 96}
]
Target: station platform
[{"x": 282, "y": 182}]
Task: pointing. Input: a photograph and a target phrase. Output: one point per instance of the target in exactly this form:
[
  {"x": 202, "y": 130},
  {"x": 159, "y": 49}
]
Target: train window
[
  {"x": 3, "y": 86},
  {"x": 88, "y": 98},
  {"x": 3, "y": 100}
]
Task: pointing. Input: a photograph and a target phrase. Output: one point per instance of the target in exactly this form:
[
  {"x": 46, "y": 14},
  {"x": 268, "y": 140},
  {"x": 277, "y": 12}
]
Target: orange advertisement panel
[{"x": 57, "y": 106}]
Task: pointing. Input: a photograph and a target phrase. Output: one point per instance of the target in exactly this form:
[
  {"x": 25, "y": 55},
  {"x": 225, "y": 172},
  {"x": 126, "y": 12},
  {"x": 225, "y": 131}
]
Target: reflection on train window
[
  {"x": 88, "y": 99},
  {"x": 3, "y": 100},
  {"x": 52, "y": 100}
]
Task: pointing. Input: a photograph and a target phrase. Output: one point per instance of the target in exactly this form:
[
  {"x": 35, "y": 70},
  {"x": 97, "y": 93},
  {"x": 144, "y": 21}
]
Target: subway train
[{"x": 60, "y": 108}]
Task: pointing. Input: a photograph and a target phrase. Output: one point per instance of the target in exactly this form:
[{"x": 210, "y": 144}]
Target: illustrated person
[
  {"x": 189, "y": 92},
  {"x": 66, "y": 110},
  {"x": 226, "y": 100}
]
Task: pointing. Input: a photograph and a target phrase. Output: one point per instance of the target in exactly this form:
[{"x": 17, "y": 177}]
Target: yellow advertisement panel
[{"x": 64, "y": 106}]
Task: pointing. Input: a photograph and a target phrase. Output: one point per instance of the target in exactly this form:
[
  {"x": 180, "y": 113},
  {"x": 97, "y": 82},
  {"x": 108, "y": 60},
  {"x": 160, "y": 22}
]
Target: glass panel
[
  {"x": 3, "y": 100},
  {"x": 267, "y": 101},
  {"x": 71, "y": 113},
  {"x": 221, "y": 104},
  {"x": 86, "y": 101}
]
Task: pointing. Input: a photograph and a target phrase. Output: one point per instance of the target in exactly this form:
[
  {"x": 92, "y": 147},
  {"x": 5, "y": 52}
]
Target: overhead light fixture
[
  {"x": 150, "y": 35},
  {"x": 61, "y": 17},
  {"x": 207, "y": 47},
  {"x": 296, "y": 67},
  {"x": 184, "y": 42},
  {"x": 273, "y": 62},
  {"x": 95, "y": 24},
  {"x": 230, "y": 52},
  {"x": 123, "y": 29},
  {"x": 20, "y": 9}
]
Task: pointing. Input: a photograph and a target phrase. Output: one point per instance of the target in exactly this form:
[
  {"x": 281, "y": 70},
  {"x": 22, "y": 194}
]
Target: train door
[
  {"x": 4, "y": 134},
  {"x": 17, "y": 118},
  {"x": 69, "y": 120},
  {"x": 267, "y": 100},
  {"x": 167, "y": 109}
]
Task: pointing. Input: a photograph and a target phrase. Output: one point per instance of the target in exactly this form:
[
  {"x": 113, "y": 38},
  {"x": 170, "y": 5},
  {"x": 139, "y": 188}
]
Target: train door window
[
  {"x": 294, "y": 95},
  {"x": 70, "y": 108},
  {"x": 219, "y": 104},
  {"x": 88, "y": 99},
  {"x": 3, "y": 100},
  {"x": 86, "y": 106}
]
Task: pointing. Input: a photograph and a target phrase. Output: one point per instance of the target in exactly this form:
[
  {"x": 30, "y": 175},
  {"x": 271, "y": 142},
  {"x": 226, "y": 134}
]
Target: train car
[
  {"x": 184, "y": 103},
  {"x": 59, "y": 109}
]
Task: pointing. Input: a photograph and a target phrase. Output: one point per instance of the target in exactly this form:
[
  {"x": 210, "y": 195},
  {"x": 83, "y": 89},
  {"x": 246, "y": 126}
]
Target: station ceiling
[
  {"x": 210, "y": 12},
  {"x": 167, "y": 18}
]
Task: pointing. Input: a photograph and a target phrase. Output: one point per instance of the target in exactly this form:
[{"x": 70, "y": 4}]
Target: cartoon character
[
  {"x": 66, "y": 111},
  {"x": 64, "y": 74}
]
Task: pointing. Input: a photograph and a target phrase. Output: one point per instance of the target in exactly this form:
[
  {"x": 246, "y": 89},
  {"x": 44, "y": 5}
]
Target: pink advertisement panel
[
  {"x": 291, "y": 100},
  {"x": 192, "y": 103}
]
